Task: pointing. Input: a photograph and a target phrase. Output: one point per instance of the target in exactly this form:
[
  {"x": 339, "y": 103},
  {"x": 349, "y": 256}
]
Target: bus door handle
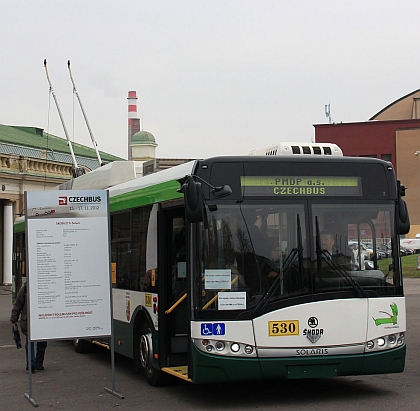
[{"x": 181, "y": 299}]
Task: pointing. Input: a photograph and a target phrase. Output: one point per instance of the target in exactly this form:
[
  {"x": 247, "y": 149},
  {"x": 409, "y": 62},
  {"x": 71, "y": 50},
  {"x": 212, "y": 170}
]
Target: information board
[{"x": 68, "y": 258}]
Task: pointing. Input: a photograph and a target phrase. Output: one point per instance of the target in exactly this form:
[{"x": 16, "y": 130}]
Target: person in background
[
  {"x": 19, "y": 309},
  {"x": 353, "y": 256},
  {"x": 360, "y": 257},
  {"x": 327, "y": 242}
]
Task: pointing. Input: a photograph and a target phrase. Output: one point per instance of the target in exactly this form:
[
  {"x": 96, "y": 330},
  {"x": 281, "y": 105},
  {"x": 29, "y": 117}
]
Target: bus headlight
[
  {"x": 220, "y": 346},
  {"x": 235, "y": 347},
  {"x": 249, "y": 349},
  {"x": 225, "y": 348},
  {"x": 381, "y": 342},
  {"x": 386, "y": 342},
  {"x": 392, "y": 339}
]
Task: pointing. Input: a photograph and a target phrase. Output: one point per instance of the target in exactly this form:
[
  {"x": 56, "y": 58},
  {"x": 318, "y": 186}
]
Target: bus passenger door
[{"x": 173, "y": 312}]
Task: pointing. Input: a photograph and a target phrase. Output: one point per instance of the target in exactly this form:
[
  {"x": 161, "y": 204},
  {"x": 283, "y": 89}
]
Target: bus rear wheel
[{"x": 143, "y": 357}]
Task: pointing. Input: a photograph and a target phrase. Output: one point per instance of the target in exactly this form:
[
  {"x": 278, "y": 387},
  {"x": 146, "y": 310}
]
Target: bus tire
[
  {"x": 143, "y": 356},
  {"x": 82, "y": 346}
]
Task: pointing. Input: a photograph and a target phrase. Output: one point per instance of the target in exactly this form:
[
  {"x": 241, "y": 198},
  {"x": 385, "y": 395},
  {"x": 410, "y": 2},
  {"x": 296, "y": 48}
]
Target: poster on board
[{"x": 68, "y": 258}]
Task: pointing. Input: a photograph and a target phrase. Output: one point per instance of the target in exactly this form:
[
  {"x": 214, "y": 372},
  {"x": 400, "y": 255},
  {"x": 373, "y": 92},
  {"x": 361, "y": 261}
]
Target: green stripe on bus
[
  {"x": 19, "y": 227},
  {"x": 144, "y": 196}
]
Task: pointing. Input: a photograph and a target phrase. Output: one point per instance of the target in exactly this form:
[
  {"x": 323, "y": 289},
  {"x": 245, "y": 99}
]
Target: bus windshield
[{"x": 260, "y": 257}]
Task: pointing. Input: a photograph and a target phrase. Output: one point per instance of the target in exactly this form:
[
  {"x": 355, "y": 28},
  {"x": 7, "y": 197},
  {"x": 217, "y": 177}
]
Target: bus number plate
[{"x": 282, "y": 328}]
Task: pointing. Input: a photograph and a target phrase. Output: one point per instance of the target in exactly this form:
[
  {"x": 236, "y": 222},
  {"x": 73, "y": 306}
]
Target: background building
[
  {"x": 31, "y": 159},
  {"x": 393, "y": 135}
]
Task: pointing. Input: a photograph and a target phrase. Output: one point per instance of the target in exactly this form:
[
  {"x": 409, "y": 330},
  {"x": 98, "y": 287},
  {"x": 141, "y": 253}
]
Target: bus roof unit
[{"x": 286, "y": 149}]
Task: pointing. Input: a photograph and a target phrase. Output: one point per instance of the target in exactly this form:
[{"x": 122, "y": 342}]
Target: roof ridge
[{"x": 39, "y": 139}]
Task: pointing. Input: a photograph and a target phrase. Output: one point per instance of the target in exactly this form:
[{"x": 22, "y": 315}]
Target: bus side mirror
[
  {"x": 403, "y": 218},
  {"x": 221, "y": 191},
  {"x": 193, "y": 196}
]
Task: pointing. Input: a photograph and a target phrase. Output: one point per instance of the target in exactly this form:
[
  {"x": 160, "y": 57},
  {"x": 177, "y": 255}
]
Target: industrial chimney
[{"x": 133, "y": 120}]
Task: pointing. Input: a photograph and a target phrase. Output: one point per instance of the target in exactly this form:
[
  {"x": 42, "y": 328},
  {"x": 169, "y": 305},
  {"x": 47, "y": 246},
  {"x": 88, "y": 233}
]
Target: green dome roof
[{"x": 143, "y": 137}]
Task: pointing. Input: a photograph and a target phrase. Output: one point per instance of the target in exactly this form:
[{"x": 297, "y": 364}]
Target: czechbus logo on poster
[{"x": 64, "y": 200}]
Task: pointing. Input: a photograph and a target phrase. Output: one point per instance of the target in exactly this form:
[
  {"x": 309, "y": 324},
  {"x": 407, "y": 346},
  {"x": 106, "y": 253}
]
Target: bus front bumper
[{"x": 207, "y": 368}]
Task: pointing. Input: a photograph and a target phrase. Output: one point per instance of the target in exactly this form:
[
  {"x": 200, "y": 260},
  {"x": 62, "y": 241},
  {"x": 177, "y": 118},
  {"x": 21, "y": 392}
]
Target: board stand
[
  {"x": 28, "y": 395},
  {"x": 30, "y": 399},
  {"x": 112, "y": 390}
]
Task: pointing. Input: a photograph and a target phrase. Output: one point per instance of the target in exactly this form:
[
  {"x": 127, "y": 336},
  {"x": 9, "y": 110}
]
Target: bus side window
[
  {"x": 139, "y": 229},
  {"x": 122, "y": 255},
  {"x": 128, "y": 247}
]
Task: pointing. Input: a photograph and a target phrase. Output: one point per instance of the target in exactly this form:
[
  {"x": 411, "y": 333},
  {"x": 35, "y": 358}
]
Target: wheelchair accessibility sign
[{"x": 212, "y": 329}]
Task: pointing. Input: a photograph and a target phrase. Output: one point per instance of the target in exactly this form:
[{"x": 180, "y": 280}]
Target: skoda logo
[
  {"x": 313, "y": 322},
  {"x": 313, "y": 333}
]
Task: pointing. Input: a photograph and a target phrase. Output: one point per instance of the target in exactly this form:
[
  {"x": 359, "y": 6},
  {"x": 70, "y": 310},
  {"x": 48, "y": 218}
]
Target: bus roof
[
  {"x": 170, "y": 174},
  {"x": 106, "y": 176}
]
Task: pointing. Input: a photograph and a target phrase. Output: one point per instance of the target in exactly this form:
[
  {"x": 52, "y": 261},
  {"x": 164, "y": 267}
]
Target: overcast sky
[{"x": 212, "y": 77}]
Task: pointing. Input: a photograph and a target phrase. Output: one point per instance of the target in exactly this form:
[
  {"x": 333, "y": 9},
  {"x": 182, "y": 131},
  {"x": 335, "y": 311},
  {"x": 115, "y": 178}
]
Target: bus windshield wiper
[
  {"x": 291, "y": 258},
  {"x": 324, "y": 255}
]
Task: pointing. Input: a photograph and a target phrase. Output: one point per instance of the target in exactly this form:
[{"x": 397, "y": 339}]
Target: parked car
[
  {"x": 406, "y": 251},
  {"x": 380, "y": 255},
  {"x": 384, "y": 250}
]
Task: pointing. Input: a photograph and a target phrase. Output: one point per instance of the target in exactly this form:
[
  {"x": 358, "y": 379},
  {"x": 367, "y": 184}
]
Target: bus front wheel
[{"x": 143, "y": 357}]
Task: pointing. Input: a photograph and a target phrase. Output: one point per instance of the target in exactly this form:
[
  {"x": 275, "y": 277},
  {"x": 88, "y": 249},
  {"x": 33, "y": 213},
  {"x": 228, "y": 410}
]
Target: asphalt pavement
[{"x": 74, "y": 381}]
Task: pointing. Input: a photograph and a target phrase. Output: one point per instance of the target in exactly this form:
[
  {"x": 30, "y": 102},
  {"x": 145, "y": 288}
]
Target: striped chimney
[{"x": 133, "y": 120}]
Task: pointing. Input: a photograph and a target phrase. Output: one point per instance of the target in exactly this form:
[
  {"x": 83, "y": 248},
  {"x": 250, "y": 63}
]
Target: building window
[{"x": 369, "y": 155}]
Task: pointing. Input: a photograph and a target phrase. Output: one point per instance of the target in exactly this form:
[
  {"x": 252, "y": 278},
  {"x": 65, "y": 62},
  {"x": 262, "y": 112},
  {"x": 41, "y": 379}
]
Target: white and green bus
[{"x": 221, "y": 270}]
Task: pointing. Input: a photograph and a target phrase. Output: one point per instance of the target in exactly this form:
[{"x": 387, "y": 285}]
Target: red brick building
[{"x": 393, "y": 134}]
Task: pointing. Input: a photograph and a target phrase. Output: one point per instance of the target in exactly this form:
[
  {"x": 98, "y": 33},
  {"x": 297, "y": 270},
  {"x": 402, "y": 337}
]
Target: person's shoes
[
  {"x": 33, "y": 368},
  {"x": 39, "y": 367}
]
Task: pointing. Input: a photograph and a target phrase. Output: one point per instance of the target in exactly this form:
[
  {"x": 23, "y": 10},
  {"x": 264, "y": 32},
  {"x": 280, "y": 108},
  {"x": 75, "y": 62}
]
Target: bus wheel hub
[{"x": 146, "y": 351}]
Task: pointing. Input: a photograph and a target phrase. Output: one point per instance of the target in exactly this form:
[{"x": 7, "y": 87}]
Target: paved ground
[{"x": 76, "y": 382}]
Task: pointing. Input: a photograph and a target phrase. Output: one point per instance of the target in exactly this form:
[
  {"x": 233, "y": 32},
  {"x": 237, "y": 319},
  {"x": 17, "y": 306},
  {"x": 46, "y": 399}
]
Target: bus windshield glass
[{"x": 260, "y": 257}]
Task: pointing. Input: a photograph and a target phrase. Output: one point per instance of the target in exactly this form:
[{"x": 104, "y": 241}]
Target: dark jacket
[{"x": 19, "y": 309}]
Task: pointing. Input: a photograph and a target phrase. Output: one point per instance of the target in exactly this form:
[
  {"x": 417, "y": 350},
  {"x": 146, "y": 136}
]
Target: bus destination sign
[{"x": 318, "y": 186}]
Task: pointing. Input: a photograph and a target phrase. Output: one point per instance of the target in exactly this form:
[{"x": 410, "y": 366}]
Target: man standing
[{"x": 19, "y": 309}]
